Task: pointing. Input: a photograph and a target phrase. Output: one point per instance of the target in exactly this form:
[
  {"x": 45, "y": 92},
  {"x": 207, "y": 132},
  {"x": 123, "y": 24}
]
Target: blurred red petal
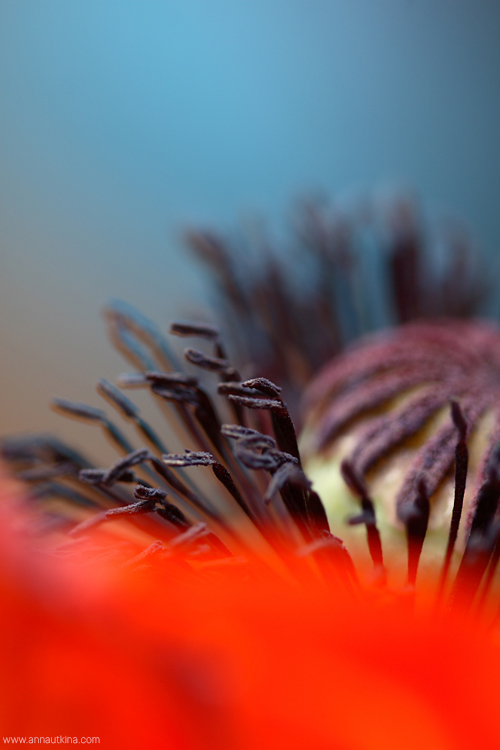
[{"x": 231, "y": 659}]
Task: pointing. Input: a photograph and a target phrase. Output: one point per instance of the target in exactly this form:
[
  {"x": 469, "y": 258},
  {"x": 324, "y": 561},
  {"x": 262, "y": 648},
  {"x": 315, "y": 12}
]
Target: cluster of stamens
[
  {"x": 265, "y": 507},
  {"x": 181, "y": 514},
  {"x": 394, "y": 391}
]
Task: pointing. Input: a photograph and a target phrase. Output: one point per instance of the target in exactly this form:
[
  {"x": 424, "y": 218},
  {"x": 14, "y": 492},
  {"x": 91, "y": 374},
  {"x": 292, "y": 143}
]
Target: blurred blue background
[{"x": 123, "y": 121}]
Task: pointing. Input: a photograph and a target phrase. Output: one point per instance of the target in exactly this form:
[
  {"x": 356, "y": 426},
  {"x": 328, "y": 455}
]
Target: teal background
[{"x": 123, "y": 122}]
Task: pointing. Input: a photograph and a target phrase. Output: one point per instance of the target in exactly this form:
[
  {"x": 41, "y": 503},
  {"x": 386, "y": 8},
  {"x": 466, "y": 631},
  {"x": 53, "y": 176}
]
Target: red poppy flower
[
  {"x": 231, "y": 658},
  {"x": 223, "y": 612}
]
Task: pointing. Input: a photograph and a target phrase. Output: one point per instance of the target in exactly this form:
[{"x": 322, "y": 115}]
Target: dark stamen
[
  {"x": 126, "y": 323},
  {"x": 264, "y": 386},
  {"x": 132, "y": 380},
  {"x": 233, "y": 389},
  {"x": 482, "y": 537},
  {"x": 97, "y": 476},
  {"x": 82, "y": 411},
  {"x": 215, "y": 364},
  {"x": 189, "y": 458},
  {"x": 144, "y": 506},
  {"x": 124, "y": 464},
  {"x": 461, "y": 464},
  {"x": 130, "y": 410},
  {"x": 166, "y": 510},
  {"x": 188, "y": 329},
  {"x": 237, "y": 431},
  {"x": 282, "y": 422},
  {"x": 170, "y": 378},
  {"x": 356, "y": 484},
  {"x": 203, "y": 330},
  {"x": 415, "y": 515}
]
